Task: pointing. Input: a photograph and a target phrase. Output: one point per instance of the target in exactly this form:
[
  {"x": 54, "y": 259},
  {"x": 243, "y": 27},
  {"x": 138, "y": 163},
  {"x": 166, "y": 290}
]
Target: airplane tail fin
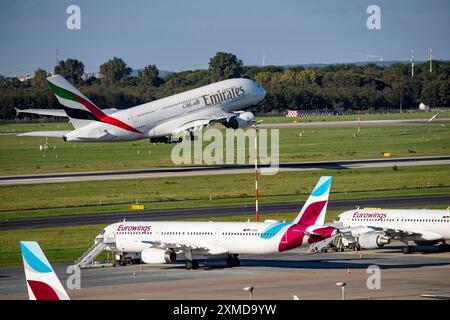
[
  {"x": 42, "y": 282},
  {"x": 314, "y": 210},
  {"x": 77, "y": 106}
]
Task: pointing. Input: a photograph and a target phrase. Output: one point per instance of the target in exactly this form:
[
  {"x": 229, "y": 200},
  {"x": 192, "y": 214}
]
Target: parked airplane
[
  {"x": 160, "y": 121},
  {"x": 373, "y": 228},
  {"x": 42, "y": 282},
  {"x": 160, "y": 242}
]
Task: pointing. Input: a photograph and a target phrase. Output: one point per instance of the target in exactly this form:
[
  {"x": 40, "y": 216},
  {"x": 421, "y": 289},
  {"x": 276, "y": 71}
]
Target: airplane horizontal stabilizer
[
  {"x": 44, "y": 112},
  {"x": 49, "y": 134}
]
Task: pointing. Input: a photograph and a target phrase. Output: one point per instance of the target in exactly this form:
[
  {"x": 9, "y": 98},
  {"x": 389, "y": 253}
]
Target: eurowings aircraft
[
  {"x": 162, "y": 120},
  {"x": 42, "y": 282},
  {"x": 373, "y": 228},
  {"x": 161, "y": 242}
]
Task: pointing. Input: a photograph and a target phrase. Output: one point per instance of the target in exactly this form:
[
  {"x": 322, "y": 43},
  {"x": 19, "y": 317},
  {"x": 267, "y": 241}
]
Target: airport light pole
[
  {"x": 342, "y": 285},
  {"x": 255, "y": 130},
  {"x": 250, "y": 291}
]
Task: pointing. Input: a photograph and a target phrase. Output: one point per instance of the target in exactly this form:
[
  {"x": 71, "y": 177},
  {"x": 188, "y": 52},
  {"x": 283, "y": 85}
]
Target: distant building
[
  {"x": 88, "y": 75},
  {"x": 23, "y": 78},
  {"x": 314, "y": 113}
]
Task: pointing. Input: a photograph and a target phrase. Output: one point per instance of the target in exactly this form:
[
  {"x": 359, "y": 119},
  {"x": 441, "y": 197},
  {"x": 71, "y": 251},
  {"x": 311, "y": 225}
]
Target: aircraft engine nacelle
[
  {"x": 153, "y": 255},
  {"x": 372, "y": 240},
  {"x": 243, "y": 120}
]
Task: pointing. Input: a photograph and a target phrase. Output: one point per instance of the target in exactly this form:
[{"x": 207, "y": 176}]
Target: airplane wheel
[
  {"x": 408, "y": 249},
  {"x": 230, "y": 262},
  {"x": 236, "y": 262},
  {"x": 194, "y": 265},
  {"x": 189, "y": 265}
]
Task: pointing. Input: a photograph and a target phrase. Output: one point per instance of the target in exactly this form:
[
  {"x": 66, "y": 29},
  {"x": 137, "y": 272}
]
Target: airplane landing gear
[
  {"x": 191, "y": 265},
  {"x": 408, "y": 249},
  {"x": 233, "y": 261},
  {"x": 166, "y": 140}
]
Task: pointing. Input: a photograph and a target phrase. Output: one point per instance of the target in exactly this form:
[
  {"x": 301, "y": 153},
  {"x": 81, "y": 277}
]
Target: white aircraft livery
[
  {"x": 374, "y": 228},
  {"x": 160, "y": 242},
  {"x": 160, "y": 121}
]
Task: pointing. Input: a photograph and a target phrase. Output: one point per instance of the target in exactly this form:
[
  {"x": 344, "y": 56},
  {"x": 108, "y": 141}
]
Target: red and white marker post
[{"x": 255, "y": 130}]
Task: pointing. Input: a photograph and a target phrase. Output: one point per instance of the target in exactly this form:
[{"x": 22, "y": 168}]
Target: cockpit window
[
  {"x": 337, "y": 219},
  {"x": 103, "y": 232}
]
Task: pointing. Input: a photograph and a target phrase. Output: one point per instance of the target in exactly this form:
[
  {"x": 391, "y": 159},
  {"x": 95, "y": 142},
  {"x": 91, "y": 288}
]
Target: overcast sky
[{"x": 181, "y": 35}]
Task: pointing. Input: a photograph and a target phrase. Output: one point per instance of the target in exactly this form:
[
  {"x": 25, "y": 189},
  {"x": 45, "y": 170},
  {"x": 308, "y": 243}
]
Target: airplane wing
[
  {"x": 401, "y": 233},
  {"x": 43, "y": 112},
  {"x": 393, "y": 233},
  {"x": 199, "y": 124},
  {"x": 213, "y": 250},
  {"x": 48, "y": 134}
]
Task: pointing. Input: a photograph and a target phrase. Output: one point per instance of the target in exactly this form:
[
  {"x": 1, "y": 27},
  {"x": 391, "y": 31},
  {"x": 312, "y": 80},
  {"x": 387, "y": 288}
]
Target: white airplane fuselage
[
  {"x": 212, "y": 238},
  {"x": 427, "y": 225},
  {"x": 164, "y": 116}
]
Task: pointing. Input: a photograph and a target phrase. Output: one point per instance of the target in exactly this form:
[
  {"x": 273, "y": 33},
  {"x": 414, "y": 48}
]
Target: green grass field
[
  {"x": 354, "y": 117},
  {"x": 21, "y": 155},
  {"x": 22, "y": 201}
]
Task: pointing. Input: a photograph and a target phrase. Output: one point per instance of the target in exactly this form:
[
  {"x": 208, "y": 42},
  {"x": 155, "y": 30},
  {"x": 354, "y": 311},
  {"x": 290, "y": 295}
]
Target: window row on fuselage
[
  {"x": 196, "y": 100},
  {"x": 168, "y": 118},
  {"x": 402, "y": 220},
  {"x": 169, "y": 106},
  {"x": 146, "y": 113},
  {"x": 200, "y": 233}
]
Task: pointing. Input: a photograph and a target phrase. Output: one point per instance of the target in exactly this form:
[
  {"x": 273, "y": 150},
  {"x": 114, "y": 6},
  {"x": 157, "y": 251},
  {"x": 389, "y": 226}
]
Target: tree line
[{"x": 342, "y": 86}]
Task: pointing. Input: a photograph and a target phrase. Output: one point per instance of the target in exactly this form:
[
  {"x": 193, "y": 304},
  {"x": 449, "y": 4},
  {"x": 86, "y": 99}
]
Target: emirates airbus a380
[
  {"x": 161, "y": 242},
  {"x": 160, "y": 121}
]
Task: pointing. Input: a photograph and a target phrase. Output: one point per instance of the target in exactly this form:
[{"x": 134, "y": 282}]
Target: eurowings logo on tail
[
  {"x": 77, "y": 106},
  {"x": 42, "y": 282}
]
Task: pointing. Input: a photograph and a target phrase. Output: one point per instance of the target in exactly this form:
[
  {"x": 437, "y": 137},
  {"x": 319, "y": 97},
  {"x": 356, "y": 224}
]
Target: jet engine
[
  {"x": 153, "y": 255},
  {"x": 372, "y": 240},
  {"x": 242, "y": 120}
]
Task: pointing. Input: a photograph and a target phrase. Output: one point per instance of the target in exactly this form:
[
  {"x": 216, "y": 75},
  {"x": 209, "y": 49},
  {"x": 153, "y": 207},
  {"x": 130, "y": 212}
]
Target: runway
[
  {"x": 224, "y": 211},
  {"x": 216, "y": 170},
  {"x": 342, "y": 124},
  {"x": 274, "y": 277}
]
